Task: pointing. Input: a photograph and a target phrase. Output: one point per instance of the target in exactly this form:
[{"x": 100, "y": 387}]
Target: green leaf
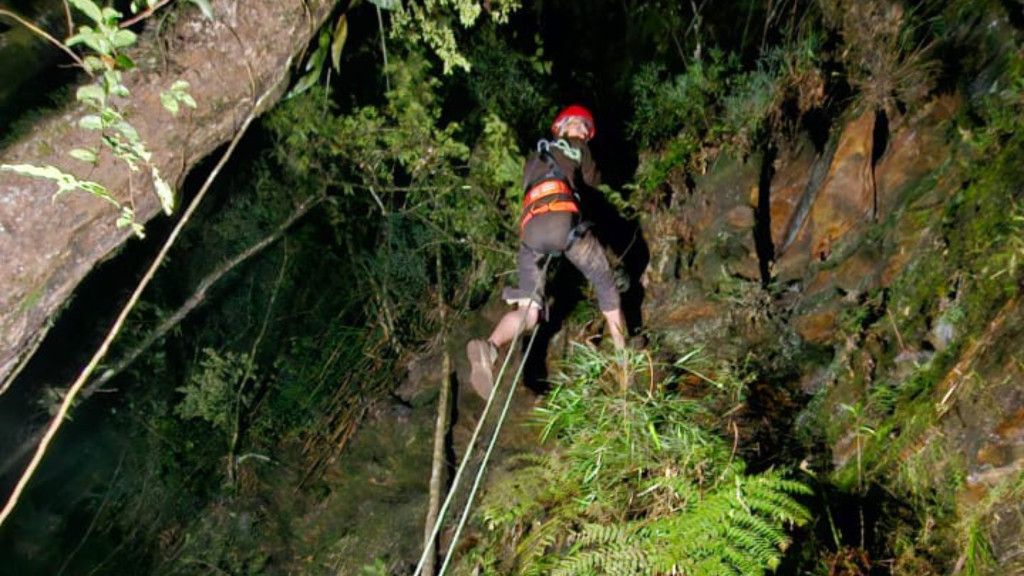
[
  {"x": 123, "y": 62},
  {"x": 169, "y": 102},
  {"x": 84, "y": 155},
  {"x": 90, "y": 38},
  {"x": 123, "y": 38},
  {"x": 164, "y": 192},
  {"x": 91, "y": 122},
  {"x": 316, "y": 60},
  {"x": 127, "y": 218},
  {"x": 48, "y": 172},
  {"x": 205, "y": 7},
  {"x": 338, "y": 44},
  {"x": 387, "y": 4},
  {"x": 90, "y": 9},
  {"x": 305, "y": 83},
  {"x": 91, "y": 94},
  {"x": 187, "y": 100},
  {"x": 92, "y": 63},
  {"x": 111, "y": 16},
  {"x": 179, "y": 86}
]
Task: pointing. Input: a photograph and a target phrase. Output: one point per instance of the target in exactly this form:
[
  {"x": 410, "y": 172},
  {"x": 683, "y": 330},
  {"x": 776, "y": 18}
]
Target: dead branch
[
  {"x": 199, "y": 296},
  {"x": 441, "y": 429}
]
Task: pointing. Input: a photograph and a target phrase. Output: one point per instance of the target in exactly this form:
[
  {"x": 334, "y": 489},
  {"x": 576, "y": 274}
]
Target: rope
[
  {"x": 487, "y": 456},
  {"x": 429, "y": 544}
]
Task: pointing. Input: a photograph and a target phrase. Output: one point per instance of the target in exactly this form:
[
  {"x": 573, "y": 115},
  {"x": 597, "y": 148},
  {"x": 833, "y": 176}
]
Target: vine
[{"x": 104, "y": 100}]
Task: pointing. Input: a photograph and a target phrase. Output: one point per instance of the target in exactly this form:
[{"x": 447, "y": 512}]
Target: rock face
[
  {"x": 875, "y": 273},
  {"x": 47, "y": 246}
]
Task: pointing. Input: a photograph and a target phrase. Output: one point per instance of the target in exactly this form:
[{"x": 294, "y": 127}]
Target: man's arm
[{"x": 588, "y": 168}]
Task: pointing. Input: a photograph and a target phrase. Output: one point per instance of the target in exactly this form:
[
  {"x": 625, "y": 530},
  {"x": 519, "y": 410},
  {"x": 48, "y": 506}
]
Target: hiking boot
[{"x": 482, "y": 355}]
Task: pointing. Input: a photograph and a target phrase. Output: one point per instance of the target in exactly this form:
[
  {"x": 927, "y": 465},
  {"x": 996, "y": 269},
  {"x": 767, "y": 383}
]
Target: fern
[{"x": 637, "y": 485}]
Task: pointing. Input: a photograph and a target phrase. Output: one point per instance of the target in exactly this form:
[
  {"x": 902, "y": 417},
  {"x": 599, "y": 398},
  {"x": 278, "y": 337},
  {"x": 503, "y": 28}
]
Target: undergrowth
[{"x": 633, "y": 482}]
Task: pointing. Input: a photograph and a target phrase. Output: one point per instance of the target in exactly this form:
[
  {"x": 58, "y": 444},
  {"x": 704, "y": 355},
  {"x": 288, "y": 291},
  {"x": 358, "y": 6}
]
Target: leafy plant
[
  {"x": 634, "y": 484},
  {"x": 885, "y": 61},
  {"x": 212, "y": 391},
  {"x": 107, "y": 61},
  {"x": 430, "y": 21}
]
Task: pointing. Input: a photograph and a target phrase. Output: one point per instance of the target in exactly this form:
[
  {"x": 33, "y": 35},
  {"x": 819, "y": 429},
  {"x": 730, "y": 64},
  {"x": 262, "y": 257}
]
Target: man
[{"x": 551, "y": 225}]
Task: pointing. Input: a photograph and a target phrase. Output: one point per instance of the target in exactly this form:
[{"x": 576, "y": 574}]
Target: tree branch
[
  {"x": 40, "y": 32},
  {"x": 199, "y": 296},
  {"x": 441, "y": 429}
]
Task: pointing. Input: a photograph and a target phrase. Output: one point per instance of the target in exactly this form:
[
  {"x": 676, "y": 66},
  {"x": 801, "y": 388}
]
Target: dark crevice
[
  {"x": 762, "y": 215},
  {"x": 879, "y": 143},
  {"x": 1015, "y": 13}
]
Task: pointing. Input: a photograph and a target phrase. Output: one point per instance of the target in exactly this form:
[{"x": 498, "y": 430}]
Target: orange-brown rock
[
  {"x": 847, "y": 198},
  {"x": 792, "y": 172},
  {"x": 915, "y": 149},
  {"x": 818, "y": 327}
]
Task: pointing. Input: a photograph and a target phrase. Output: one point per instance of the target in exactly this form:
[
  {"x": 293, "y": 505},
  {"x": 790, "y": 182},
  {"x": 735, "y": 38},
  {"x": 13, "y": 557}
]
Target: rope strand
[{"x": 429, "y": 544}]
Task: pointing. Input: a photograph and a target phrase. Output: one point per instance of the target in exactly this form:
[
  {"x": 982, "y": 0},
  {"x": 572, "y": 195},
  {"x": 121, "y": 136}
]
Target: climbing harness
[
  {"x": 563, "y": 206},
  {"x": 544, "y": 147},
  {"x": 550, "y": 185},
  {"x": 429, "y": 544},
  {"x": 545, "y": 189}
]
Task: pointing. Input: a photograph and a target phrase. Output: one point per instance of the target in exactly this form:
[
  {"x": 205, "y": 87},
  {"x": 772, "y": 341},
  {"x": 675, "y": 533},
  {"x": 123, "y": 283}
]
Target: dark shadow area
[
  {"x": 847, "y": 530},
  {"x": 88, "y": 316},
  {"x": 763, "y": 214},
  {"x": 625, "y": 240}
]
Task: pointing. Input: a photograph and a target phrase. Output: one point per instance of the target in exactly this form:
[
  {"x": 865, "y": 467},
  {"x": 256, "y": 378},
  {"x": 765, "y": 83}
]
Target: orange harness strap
[
  {"x": 545, "y": 189},
  {"x": 563, "y": 206}
]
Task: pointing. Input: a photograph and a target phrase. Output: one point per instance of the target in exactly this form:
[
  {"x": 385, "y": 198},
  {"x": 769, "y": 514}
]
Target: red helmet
[{"x": 574, "y": 112}]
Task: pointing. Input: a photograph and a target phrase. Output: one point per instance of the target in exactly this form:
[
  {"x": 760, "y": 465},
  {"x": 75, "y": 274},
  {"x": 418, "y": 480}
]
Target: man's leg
[
  {"x": 523, "y": 319},
  {"x": 588, "y": 257},
  {"x": 483, "y": 353}
]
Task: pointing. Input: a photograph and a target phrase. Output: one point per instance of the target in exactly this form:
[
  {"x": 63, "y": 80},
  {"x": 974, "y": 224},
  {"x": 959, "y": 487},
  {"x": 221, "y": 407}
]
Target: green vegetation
[
  {"x": 106, "y": 62},
  {"x": 633, "y": 482},
  {"x": 668, "y": 461}
]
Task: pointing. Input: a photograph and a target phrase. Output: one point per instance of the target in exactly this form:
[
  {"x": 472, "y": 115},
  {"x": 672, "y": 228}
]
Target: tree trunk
[{"x": 48, "y": 246}]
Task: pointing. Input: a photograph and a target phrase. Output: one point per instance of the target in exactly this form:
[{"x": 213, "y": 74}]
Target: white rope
[
  {"x": 487, "y": 456},
  {"x": 428, "y": 546}
]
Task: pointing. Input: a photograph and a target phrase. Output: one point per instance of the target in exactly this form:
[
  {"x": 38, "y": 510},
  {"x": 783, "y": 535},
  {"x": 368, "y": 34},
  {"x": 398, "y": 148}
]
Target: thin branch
[
  {"x": 199, "y": 296},
  {"x": 441, "y": 428},
  {"x": 67, "y": 14},
  {"x": 899, "y": 338},
  {"x": 384, "y": 49},
  {"x": 237, "y": 432},
  {"x": 40, "y": 32},
  {"x": 144, "y": 14},
  {"x": 101, "y": 352},
  {"x": 95, "y": 517}
]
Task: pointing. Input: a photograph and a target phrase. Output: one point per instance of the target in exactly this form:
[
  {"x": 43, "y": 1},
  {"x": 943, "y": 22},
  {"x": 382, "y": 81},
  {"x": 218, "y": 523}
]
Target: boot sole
[{"x": 480, "y": 376}]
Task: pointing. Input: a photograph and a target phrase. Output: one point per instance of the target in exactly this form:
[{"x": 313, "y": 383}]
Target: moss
[{"x": 30, "y": 301}]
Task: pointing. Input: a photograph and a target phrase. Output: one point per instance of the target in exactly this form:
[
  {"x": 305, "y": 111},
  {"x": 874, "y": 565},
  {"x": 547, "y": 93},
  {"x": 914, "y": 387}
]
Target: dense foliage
[
  {"x": 636, "y": 482},
  {"x": 231, "y": 425}
]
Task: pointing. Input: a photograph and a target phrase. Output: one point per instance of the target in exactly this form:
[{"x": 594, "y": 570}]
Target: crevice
[
  {"x": 879, "y": 144},
  {"x": 1015, "y": 13},
  {"x": 762, "y": 215}
]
